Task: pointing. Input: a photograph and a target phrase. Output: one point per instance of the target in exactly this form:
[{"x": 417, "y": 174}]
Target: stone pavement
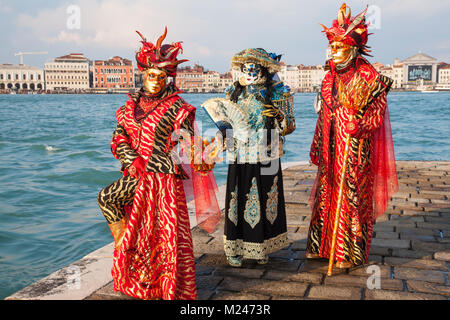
[{"x": 410, "y": 249}]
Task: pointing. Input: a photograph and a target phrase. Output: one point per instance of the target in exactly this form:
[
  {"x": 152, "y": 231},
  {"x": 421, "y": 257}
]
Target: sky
[{"x": 213, "y": 31}]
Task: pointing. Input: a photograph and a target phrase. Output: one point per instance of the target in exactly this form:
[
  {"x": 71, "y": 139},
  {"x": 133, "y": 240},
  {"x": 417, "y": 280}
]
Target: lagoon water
[{"x": 55, "y": 157}]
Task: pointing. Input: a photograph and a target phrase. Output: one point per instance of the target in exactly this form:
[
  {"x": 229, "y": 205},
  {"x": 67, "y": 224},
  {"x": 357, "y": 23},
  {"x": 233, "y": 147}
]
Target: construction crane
[{"x": 21, "y": 54}]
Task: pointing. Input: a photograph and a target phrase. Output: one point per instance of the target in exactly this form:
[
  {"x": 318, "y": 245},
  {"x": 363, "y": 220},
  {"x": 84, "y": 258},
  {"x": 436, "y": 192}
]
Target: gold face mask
[
  {"x": 154, "y": 80},
  {"x": 341, "y": 52}
]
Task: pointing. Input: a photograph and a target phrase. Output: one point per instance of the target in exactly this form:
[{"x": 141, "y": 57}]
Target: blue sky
[{"x": 212, "y": 31}]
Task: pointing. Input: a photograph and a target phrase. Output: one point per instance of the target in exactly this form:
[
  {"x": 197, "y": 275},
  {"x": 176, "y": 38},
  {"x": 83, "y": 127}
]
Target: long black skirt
[{"x": 255, "y": 216}]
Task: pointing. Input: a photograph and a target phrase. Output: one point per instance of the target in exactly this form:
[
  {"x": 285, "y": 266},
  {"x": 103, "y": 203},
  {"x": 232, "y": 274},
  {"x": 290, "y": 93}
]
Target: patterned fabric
[
  {"x": 113, "y": 199},
  {"x": 252, "y": 233},
  {"x": 327, "y": 152},
  {"x": 155, "y": 260},
  {"x": 232, "y": 210},
  {"x": 272, "y": 202},
  {"x": 154, "y": 143},
  {"x": 252, "y": 212}
]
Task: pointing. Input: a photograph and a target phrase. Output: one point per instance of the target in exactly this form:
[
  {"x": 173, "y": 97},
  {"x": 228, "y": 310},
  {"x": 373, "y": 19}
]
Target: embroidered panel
[
  {"x": 272, "y": 202},
  {"x": 232, "y": 210},
  {"x": 252, "y": 210}
]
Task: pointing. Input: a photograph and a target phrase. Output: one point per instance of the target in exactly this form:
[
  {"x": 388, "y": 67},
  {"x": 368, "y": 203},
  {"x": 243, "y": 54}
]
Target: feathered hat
[
  {"x": 349, "y": 30},
  {"x": 159, "y": 56},
  {"x": 271, "y": 61}
]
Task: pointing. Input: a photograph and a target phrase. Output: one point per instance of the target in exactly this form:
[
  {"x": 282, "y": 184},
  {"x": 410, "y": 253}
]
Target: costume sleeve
[
  {"x": 120, "y": 143},
  {"x": 373, "y": 117}
]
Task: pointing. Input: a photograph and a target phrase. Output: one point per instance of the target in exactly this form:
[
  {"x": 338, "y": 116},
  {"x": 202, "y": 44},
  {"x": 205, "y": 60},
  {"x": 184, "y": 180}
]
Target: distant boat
[{"x": 425, "y": 89}]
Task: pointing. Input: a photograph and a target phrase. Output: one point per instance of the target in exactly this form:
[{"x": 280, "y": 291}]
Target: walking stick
[{"x": 353, "y": 97}]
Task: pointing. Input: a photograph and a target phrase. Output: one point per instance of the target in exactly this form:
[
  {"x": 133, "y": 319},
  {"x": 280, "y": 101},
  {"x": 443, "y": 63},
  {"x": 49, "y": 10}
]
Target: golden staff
[{"x": 353, "y": 97}]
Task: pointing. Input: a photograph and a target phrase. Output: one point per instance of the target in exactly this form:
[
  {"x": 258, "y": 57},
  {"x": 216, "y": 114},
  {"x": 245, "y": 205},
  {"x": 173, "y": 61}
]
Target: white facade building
[
  {"x": 21, "y": 77},
  {"x": 290, "y": 76},
  {"x": 310, "y": 77},
  {"x": 70, "y": 72}
]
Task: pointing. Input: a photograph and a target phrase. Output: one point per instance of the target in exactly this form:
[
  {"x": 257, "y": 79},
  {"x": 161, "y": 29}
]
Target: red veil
[{"x": 385, "y": 171}]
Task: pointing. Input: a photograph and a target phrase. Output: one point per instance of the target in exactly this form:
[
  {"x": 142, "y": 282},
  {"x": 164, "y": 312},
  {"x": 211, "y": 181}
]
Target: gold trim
[{"x": 254, "y": 250}]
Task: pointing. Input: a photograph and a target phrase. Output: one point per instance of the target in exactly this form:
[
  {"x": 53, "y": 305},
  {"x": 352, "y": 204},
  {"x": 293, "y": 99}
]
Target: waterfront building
[
  {"x": 212, "y": 81},
  {"x": 115, "y": 74},
  {"x": 310, "y": 78},
  {"x": 138, "y": 77},
  {"x": 191, "y": 79},
  {"x": 420, "y": 70},
  {"x": 443, "y": 77},
  {"x": 21, "y": 78},
  {"x": 444, "y": 74},
  {"x": 393, "y": 71},
  {"x": 290, "y": 75},
  {"x": 67, "y": 73},
  {"x": 226, "y": 80}
]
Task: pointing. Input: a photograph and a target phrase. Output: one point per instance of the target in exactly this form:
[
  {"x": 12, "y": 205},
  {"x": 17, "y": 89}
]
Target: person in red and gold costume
[
  {"x": 146, "y": 209},
  {"x": 352, "y": 147}
]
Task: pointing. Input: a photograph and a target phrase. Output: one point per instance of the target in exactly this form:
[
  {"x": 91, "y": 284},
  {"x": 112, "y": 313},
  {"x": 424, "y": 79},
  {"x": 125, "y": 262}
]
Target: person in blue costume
[{"x": 255, "y": 217}]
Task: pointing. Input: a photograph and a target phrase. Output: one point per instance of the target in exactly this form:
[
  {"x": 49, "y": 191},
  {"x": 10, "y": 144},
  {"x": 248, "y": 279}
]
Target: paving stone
[
  {"x": 386, "y": 235},
  {"x": 406, "y": 253},
  {"x": 298, "y": 236},
  {"x": 409, "y": 236},
  {"x": 208, "y": 282},
  {"x": 363, "y": 282},
  {"x": 365, "y": 271},
  {"x": 334, "y": 293},
  {"x": 298, "y": 245},
  {"x": 416, "y": 231},
  {"x": 428, "y": 225},
  {"x": 307, "y": 277},
  {"x": 416, "y": 263},
  {"x": 396, "y": 295},
  {"x": 107, "y": 293},
  {"x": 266, "y": 287},
  {"x": 442, "y": 255},
  {"x": 427, "y": 287},
  {"x": 228, "y": 295},
  {"x": 381, "y": 251},
  {"x": 391, "y": 243},
  {"x": 419, "y": 274},
  {"x": 429, "y": 246},
  {"x": 204, "y": 294},
  {"x": 239, "y": 272}
]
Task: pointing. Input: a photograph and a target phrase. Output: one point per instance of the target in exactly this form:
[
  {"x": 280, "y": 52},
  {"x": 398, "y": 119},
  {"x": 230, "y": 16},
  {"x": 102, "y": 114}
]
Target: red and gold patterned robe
[
  {"x": 327, "y": 152},
  {"x": 155, "y": 260}
]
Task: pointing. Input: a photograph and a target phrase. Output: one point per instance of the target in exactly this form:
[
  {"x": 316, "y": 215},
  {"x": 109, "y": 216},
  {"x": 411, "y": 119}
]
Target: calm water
[{"x": 55, "y": 157}]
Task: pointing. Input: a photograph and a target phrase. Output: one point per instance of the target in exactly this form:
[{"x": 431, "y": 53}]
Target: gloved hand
[{"x": 272, "y": 112}]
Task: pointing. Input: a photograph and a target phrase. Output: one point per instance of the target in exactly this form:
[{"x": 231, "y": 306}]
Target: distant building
[
  {"x": 420, "y": 70},
  {"x": 444, "y": 74},
  {"x": 393, "y": 71},
  {"x": 67, "y": 73},
  {"x": 310, "y": 78},
  {"x": 290, "y": 75},
  {"x": 213, "y": 82},
  {"x": 115, "y": 74},
  {"x": 226, "y": 80},
  {"x": 138, "y": 78},
  {"x": 21, "y": 78},
  {"x": 191, "y": 79}
]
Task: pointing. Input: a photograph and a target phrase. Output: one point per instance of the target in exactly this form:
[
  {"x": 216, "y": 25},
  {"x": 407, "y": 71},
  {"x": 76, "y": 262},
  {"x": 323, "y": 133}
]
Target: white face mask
[{"x": 252, "y": 74}]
